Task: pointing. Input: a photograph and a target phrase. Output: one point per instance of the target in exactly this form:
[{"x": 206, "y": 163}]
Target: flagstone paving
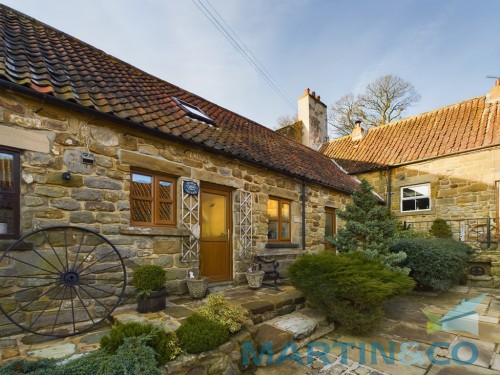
[{"x": 389, "y": 350}]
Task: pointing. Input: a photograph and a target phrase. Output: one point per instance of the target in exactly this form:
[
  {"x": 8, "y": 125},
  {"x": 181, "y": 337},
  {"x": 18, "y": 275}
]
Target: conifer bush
[
  {"x": 148, "y": 278},
  {"x": 165, "y": 344},
  {"x": 369, "y": 228},
  {"x": 350, "y": 288},
  {"x": 199, "y": 334},
  {"x": 440, "y": 229}
]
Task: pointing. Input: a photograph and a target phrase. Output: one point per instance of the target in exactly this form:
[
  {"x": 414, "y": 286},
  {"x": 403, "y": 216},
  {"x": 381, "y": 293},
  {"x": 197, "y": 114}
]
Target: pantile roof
[
  {"x": 46, "y": 60},
  {"x": 461, "y": 127}
]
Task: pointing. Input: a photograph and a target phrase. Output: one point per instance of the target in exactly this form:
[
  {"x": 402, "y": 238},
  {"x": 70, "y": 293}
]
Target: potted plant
[
  {"x": 197, "y": 285},
  {"x": 149, "y": 281},
  {"x": 254, "y": 277}
]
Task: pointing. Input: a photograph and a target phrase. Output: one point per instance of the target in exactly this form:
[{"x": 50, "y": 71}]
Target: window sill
[
  {"x": 155, "y": 231},
  {"x": 281, "y": 245}
]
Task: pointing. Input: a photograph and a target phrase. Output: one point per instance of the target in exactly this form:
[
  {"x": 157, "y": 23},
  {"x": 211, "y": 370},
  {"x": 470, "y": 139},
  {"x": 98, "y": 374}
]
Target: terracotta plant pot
[
  {"x": 197, "y": 287},
  {"x": 156, "y": 301},
  {"x": 255, "y": 279}
]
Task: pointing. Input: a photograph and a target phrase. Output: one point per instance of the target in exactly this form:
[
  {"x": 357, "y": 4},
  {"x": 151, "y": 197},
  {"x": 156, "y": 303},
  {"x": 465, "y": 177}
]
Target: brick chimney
[
  {"x": 312, "y": 113},
  {"x": 494, "y": 94},
  {"x": 357, "y": 132}
]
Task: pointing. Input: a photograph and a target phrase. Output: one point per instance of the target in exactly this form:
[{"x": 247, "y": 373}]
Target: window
[
  {"x": 416, "y": 198},
  {"x": 279, "y": 220},
  {"x": 152, "y": 199},
  {"x": 330, "y": 226},
  {"x": 9, "y": 193},
  {"x": 193, "y": 111}
]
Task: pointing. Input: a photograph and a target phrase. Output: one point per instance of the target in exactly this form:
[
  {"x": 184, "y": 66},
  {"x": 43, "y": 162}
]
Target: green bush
[
  {"x": 198, "y": 334},
  {"x": 148, "y": 278},
  {"x": 440, "y": 229},
  {"x": 132, "y": 357},
  {"x": 21, "y": 366},
  {"x": 165, "y": 344},
  {"x": 350, "y": 288},
  {"x": 435, "y": 263},
  {"x": 218, "y": 309},
  {"x": 401, "y": 232}
]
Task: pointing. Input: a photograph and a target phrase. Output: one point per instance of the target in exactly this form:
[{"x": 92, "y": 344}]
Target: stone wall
[
  {"x": 97, "y": 196},
  {"x": 462, "y": 186}
]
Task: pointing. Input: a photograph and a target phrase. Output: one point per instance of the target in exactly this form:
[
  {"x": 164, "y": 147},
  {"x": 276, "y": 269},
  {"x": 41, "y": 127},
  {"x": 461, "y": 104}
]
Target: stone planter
[
  {"x": 255, "y": 279},
  {"x": 156, "y": 301},
  {"x": 197, "y": 287}
]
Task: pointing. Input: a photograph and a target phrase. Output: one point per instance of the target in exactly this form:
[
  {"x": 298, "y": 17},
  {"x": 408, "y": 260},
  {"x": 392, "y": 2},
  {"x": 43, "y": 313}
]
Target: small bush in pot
[{"x": 149, "y": 281}]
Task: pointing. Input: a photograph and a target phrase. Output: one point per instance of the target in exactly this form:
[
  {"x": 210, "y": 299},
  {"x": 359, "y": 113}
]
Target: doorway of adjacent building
[{"x": 216, "y": 228}]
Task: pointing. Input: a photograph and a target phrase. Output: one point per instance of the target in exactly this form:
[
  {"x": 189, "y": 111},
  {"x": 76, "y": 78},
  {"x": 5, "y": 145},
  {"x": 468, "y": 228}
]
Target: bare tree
[
  {"x": 285, "y": 120},
  {"x": 385, "y": 100},
  {"x": 343, "y": 114}
]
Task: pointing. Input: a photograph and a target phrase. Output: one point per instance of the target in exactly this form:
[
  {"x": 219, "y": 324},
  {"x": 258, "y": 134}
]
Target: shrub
[
  {"x": 21, "y": 366},
  {"x": 165, "y": 344},
  {"x": 218, "y": 309},
  {"x": 148, "y": 278},
  {"x": 440, "y": 229},
  {"x": 198, "y": 334},
  {"x": 368, "y": 227},
  {"x": 435, "y": 263},
  {"x": 401, "y": 232},
  {"x": 350, "y": 288},
  {"x": 134, "y": 356}
]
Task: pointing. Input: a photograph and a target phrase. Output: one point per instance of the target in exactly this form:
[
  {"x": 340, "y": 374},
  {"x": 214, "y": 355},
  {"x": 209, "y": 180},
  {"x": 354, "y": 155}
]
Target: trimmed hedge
[
  {"x": 350, "y": 288},
  {"x": 199, "y": 334},
  {"x": 148, "y": 278},
  {"x": 435, "y": 263},
  {"x": 440, "y": 229}
]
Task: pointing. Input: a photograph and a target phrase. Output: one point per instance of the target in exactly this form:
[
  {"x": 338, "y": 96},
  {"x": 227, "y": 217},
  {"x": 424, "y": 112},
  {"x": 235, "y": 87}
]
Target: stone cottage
[
  {"x": 167, "y": 176},
  {"x": 440, "y": 164}
]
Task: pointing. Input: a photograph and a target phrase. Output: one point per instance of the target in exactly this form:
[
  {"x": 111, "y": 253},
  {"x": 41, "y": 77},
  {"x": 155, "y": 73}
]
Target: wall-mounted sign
[{"x": 190, "y": 187}]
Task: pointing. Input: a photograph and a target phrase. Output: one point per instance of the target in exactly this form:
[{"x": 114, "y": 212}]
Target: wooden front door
[{"x": 215, "y": 247}]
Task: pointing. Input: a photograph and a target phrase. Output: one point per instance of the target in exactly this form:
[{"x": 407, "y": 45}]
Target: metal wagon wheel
[{"x": 61, "y": 281}]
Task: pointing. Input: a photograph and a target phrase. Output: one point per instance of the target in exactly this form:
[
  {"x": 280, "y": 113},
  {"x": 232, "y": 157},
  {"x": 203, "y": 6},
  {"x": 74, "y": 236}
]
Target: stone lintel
[
  {"x": 24, "y": 139},
  {"x": 153, "y": 163}
]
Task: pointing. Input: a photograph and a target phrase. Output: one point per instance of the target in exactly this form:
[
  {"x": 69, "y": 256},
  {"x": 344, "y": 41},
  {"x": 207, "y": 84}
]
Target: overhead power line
[{"x": 223, "y": 27}]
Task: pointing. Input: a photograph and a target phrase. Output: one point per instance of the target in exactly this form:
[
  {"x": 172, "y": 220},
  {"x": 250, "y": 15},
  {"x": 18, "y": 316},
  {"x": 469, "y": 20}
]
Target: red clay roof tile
[{"x": 460, "y": 127}]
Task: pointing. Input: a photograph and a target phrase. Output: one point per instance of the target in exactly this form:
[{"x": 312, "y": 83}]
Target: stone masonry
[{"x": 97, "y": 196}]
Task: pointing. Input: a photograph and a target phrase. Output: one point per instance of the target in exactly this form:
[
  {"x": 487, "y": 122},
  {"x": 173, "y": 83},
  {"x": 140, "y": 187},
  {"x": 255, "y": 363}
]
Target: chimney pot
[
  {"x": 494, "y": 94},
  {"x": 357, "y": 132},
  {"x": 313, "y": 94},
  {"x": 318, "y": 97},
  {"x": 497, "y": 82},
  {"x": 306, "y": 91}
]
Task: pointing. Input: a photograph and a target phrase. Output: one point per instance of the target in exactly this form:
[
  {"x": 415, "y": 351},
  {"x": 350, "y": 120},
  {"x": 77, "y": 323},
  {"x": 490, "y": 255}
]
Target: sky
[{"x": 445, "y": 48}]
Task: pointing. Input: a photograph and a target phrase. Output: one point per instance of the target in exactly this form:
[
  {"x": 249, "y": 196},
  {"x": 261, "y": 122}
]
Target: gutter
[{"x": 44, "y": 98}]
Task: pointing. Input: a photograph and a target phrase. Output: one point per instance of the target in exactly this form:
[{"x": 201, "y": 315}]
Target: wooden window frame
[
  {"x": 16, "y": 194},
  {"x": 401, "y": 199},
  {"x": 281, "y": 220},
  {"x": 330, "y": 211},
  {"x": 155, "y": 199}
]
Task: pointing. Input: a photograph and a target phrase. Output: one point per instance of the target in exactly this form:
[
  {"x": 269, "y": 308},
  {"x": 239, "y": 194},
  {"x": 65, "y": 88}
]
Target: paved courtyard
[{"x": 403, "y": 346}]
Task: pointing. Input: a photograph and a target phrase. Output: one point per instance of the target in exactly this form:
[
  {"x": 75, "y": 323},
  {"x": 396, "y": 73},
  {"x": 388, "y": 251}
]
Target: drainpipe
[
  {"x": 389, "y": 189},
  {"x": 303, "y": 192}
]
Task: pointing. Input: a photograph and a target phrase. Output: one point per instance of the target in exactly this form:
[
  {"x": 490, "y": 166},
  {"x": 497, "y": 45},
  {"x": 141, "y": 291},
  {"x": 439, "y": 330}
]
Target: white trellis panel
[
  {"x": 190, "y": 213},
  {"x": 245, "y": 224}
]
